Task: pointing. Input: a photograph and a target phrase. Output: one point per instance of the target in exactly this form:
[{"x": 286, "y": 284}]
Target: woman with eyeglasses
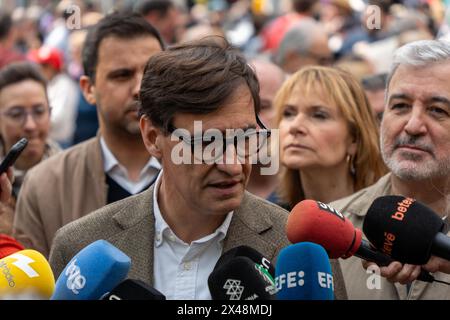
[
  {"x": 24, "y": 113},
  {"x": 329, "y": 146}
]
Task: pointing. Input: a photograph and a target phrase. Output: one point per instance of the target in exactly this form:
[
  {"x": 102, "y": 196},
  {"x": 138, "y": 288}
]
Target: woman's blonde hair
[{"x": 347, "y": 94}]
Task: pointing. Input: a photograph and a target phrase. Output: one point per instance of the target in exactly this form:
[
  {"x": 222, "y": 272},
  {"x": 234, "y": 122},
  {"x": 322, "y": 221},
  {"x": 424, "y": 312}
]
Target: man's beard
[
  {"x": 416, "y": 169},
  {"x": 131, "y": 126}
]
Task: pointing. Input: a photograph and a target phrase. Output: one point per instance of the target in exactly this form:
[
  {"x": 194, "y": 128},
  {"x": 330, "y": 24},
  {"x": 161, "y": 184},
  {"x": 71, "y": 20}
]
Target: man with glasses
[
  {"x": 24, "y": 113},
  {"x": 198, "y": 208}
]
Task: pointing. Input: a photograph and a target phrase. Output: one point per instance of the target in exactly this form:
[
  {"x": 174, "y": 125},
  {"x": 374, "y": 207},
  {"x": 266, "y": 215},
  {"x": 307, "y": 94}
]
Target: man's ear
[
  {"x": 151, "y": 136},
  {"x": 88, "y": 89}
]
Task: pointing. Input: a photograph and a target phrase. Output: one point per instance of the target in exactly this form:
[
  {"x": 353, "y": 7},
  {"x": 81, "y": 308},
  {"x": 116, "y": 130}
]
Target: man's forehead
[
  {"x": 422, "y": 82},
  {"x": 115, "y": 51},
  {"x": 209, "y": 121}
]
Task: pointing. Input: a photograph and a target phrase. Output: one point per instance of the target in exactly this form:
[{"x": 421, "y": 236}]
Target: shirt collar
[
  {"x": 110, "y": 161},
  {"x": 161, "y": 226}
]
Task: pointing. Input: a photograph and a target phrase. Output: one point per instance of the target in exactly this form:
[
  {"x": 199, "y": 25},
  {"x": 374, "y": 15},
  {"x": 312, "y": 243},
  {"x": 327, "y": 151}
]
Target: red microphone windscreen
[
  {"x": 9, "y": 246},
  {"x": 314, "y": 221}
]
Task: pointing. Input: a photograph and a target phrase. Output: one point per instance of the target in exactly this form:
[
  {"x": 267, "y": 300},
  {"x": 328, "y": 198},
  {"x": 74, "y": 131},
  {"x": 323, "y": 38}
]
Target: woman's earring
[{"x": 351, "y": 163}]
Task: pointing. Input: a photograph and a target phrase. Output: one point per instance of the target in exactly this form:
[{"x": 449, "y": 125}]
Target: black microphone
[
  {"x": 241, "y": 279},
  {"x": 314, "y": 221},
  {"x": 406, "y": 229},
  {"x": 131, "y": 289},
  {"x": 252, "y": 254}
]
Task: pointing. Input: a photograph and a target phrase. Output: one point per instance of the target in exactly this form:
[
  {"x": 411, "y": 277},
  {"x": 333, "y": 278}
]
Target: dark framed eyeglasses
[{"x": 210, "y": 146}]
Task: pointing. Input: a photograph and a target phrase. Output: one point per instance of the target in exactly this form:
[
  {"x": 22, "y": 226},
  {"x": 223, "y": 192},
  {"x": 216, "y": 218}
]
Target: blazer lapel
[
  {"x": 137, "y": 236},
  {"x": 248, "y": 222}
]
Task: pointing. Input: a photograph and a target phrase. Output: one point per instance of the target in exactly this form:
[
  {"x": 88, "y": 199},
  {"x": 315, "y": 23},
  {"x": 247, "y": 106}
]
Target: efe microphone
[{"x": 303, "y": 272}]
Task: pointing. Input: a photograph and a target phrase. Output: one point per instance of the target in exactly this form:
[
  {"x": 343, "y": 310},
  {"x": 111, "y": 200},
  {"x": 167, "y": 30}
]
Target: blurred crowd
[{"x": 354, "y": 35}]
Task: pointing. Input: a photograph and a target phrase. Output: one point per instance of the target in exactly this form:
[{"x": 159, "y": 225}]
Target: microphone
[
  {"x": 252, "y": 254},
  {"x": 9, "y": 245},
  {"x": 314, "y": 221},
  {"x": 131, "y": 289},
  {"x": 303, "y": 272},
  {"x": 27, "y": 275},
  {"x": 406, "y": 229},
  {"x": 92, "y": 272},
  {"x": 241, "y": 279}
]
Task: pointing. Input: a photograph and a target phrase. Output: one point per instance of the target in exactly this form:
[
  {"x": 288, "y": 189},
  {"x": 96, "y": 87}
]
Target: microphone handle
[
  {"x": 441, "y": 246},
  {"x": 366, "y": 252}
]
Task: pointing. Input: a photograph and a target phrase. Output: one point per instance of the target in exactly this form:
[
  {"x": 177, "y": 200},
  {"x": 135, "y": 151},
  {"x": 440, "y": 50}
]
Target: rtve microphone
[
  {"x": 246, "y": 251},
  {"x": 9, "y": 245},
  {"x": 406, "y": 229},
  {"x": 241, "y": 279},
  {"x": 92, "y": 272},
  {"x": 303, "y": 272},
  {"x": 26, "y": 275},
  {"x": 131, "y": 289},
  {"x": 314, "y": 221}
]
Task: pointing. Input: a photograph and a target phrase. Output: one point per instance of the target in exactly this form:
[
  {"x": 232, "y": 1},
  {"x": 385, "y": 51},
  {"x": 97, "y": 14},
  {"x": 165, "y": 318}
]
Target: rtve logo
[{"x": 75, "y": 281}]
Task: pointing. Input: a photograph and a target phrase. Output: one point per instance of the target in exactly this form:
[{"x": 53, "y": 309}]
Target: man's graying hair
[
  {"x": 421, "y": 53},
  {"x": 298, "y": 39},
  {"x": 195, "y": 77}
]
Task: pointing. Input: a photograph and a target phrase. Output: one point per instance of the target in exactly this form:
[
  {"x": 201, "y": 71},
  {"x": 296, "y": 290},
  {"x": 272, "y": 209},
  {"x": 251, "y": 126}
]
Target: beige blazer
[
  {"x": 129, "y": 225},
  {"x": 59, "y": 190}
]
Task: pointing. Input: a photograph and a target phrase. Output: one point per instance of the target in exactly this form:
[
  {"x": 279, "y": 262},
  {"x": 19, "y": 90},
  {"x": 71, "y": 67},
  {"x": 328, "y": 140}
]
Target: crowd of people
[{"x": 351, "y": 98}]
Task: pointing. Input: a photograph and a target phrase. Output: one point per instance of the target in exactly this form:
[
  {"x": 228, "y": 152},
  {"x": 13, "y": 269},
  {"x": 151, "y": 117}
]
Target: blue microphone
[
  {"x": 303, "y": 272},
  {"x": 95, "y": 270}
]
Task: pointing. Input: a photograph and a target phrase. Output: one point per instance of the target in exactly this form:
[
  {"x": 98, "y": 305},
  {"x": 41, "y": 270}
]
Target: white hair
[{"x": 419, "y": 54}]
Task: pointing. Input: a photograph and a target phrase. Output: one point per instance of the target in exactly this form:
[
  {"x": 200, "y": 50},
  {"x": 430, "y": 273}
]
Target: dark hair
[
  {"x": 123, "y": 25},
  {"x": 302, "y": 6},
  {"x": 194, "y": 77},
  {"x": 20, "y": 71},
  {"x": 160, "y": 6},
  {"x": 5, "y": 24}
]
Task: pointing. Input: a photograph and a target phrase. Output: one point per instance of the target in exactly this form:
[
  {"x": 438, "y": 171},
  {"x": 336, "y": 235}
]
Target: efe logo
[
  {"x": 294, "y": 279},
  {"x": 291, "y": 279}
]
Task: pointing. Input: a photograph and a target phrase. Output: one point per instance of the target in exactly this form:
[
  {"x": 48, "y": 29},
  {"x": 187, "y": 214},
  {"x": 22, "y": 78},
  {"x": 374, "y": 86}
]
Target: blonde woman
[{"x": 329, "y": 144}]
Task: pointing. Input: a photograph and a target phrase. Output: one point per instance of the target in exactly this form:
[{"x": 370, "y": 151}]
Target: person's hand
[
  {"x": 6, "y": 180},
  {"x": 436, "y": 264},
  {"x": 397, "y": 272}
]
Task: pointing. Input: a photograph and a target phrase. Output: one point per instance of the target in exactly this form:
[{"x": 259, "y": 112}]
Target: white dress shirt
[
  {"x": 119, "y": 174},
  {"x": 181, "y": 270}
]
